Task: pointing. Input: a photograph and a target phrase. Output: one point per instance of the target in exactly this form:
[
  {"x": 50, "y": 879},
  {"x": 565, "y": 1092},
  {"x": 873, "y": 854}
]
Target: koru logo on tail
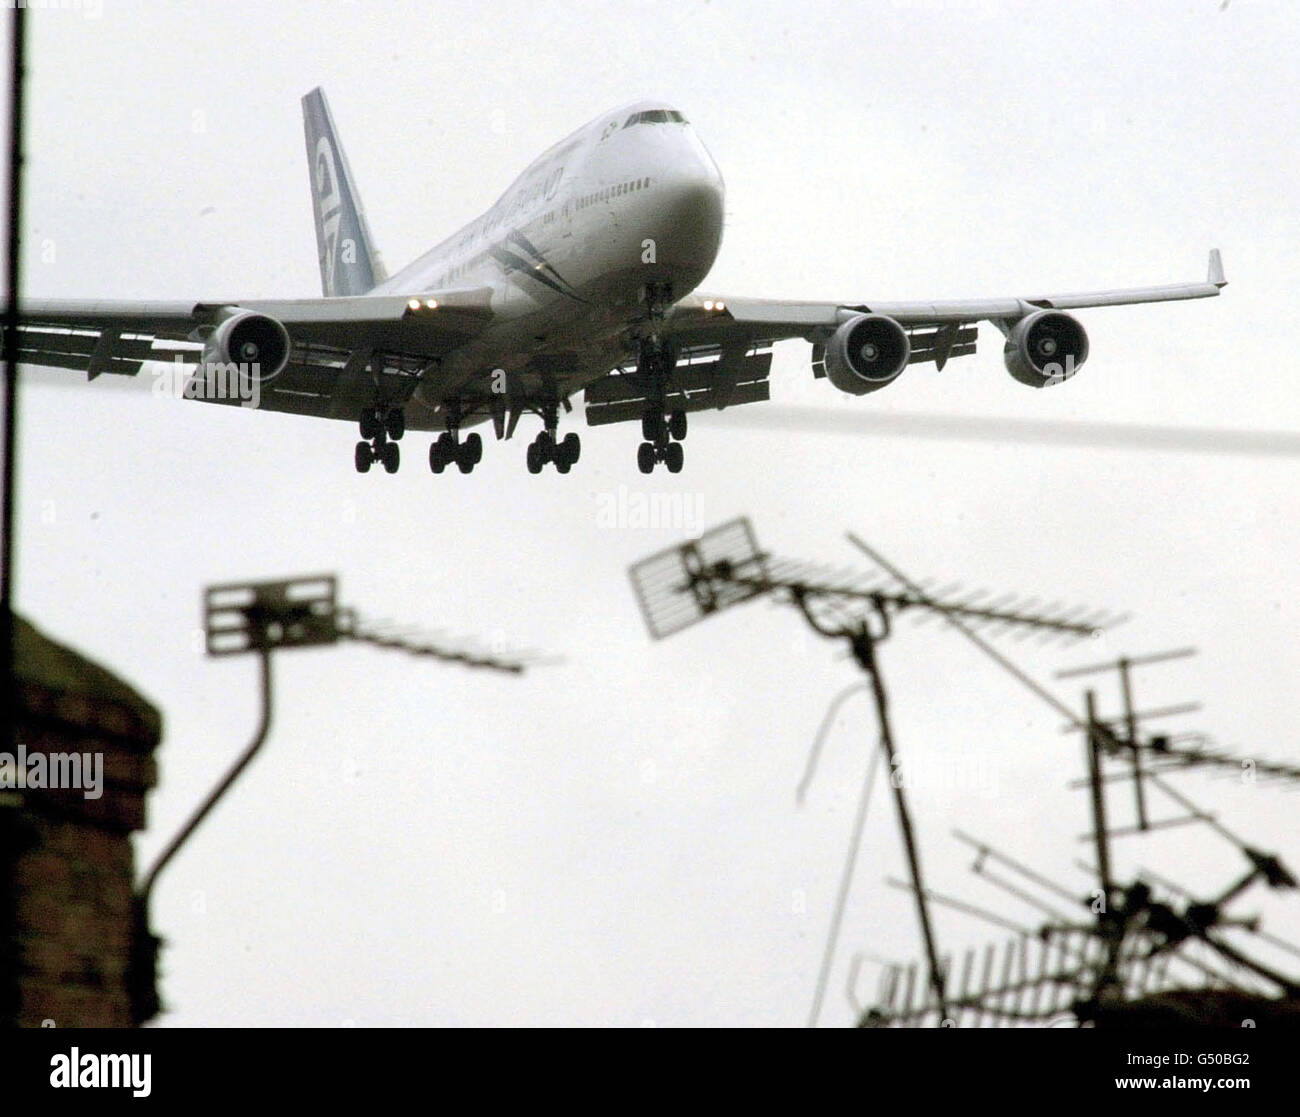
[{"x": 329, "y": 204}]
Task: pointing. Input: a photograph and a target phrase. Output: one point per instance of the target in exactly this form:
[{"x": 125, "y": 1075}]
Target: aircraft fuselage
[{"x": 630, "y": 200}]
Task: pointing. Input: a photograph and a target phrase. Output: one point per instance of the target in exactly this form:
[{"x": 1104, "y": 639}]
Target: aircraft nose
[{"x": 690, "y": 209}]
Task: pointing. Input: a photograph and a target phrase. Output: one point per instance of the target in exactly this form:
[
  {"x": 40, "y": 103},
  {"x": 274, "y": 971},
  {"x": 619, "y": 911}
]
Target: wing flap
[
  {"x": 733, "y": 378},
  {"x": 300, "y": 389},
  {"x": 630, "y": 411},
  {"x": 347, "y": 351},
  {"x": 941, "y": 344},
  {"x": 95, "y": 352}
]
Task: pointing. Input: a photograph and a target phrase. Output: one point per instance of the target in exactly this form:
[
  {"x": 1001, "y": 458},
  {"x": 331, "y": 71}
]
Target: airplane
[{"x": 581, "y": 278}]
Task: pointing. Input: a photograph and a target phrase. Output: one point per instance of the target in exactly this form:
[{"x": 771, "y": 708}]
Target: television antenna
[{"x": 682, "y": 585}]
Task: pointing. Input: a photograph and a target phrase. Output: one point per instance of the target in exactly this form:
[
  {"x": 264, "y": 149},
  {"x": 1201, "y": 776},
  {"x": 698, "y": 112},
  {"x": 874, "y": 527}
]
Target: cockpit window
[{"x": 655, "y": 116}]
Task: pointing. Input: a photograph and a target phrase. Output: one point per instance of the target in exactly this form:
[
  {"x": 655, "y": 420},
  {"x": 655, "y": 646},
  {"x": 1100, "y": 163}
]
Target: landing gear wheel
[
  {"x": 562, "y": 464},
  {"x": 570, "y": 449},
  {"x": 395, "y": 423},
  {"x": 677, "y": 425},
  {"x": 465, "y": 457},
  {"x": 391, "y": 455},
  {"x": 645, "y": 457},
  {"x": 652, "y": 426},
  {"x": 546, "y": 447},
  {"x": 534, "y": 458},
  {"x": 673, "y": 457},
  {"x": 437, "y": 458},
  {"x": 362, "y": 457},
  {"x": 371, "y": 424},
  {"x": 474, "y": 447}
]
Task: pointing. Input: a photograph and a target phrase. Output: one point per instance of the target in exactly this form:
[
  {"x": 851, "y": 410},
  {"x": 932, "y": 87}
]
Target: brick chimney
[{"x": 66, "y": 865}]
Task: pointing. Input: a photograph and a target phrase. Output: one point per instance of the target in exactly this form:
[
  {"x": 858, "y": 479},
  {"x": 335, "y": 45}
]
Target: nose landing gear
[
  {"x": 662, "y": 441},
  {"x": 661, "y": 429}
]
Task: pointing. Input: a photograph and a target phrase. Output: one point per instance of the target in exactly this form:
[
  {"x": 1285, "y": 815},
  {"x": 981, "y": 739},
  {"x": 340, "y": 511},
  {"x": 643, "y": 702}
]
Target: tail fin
[{"x": 349, "y": 264}]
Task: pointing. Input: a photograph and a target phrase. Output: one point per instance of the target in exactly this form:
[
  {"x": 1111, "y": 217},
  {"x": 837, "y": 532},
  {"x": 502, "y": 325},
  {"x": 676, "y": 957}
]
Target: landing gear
[
  {"x": 661, "y": 429},
  {"x": 380, "y": 432},
  {"x": 395, "y": 423},
  {"x": 447, "y": 448},
  {"x": 469, "y": 453},
  {"x": 663, "y": 435},
  {"x": 563, "y": 452},
  {"x": 670, "y": 453},
  {"x": 441, "y": 451},
  {"x": 544, "y": 449}
]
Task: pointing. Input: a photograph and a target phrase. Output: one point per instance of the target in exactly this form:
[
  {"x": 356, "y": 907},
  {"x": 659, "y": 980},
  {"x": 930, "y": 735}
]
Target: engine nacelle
[
  {"x": 258, "y": 343},
  {"x": 866, "y": 353},
  {"x": 1045, "y": 347}
]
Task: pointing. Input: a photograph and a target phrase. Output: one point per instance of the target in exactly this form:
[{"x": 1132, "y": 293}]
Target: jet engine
[
  {"x": 1045, "y": 347},
  {"x": 865, "y": 353},
  {"x": 247, "y": 338}
]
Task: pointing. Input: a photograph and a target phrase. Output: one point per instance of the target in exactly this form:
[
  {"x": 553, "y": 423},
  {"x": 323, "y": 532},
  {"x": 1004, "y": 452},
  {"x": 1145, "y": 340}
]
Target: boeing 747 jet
[{"x": 580, "y": 281}]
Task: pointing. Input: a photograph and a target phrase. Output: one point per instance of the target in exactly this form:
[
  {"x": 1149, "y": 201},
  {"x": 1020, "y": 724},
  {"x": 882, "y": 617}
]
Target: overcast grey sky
[{"x": 615, "y": 840}]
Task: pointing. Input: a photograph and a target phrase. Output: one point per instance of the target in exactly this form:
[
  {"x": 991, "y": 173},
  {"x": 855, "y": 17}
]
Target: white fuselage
[{"x": 629, "y": 200}]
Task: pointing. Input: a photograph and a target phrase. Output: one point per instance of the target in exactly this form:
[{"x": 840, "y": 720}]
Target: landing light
[
  {"x": 432, "y": 304},
  {"x": 714, "y": 304},
  {"x": 414, "y": 304}
]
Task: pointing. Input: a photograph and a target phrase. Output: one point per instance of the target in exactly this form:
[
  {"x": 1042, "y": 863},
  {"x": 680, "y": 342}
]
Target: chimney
[{"x": 71, "y": 794}]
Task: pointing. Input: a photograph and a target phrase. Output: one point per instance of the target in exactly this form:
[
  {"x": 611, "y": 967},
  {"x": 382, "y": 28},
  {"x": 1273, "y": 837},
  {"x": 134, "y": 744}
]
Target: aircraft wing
[
  {"x": 341, "y": 347},
  {"x": 758, "y": 320},
  {"x": 723, "y": 342}
]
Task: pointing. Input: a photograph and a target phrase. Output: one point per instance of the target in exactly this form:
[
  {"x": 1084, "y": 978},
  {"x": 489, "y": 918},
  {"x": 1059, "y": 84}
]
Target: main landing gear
[
  {"x": 380, "y": 432},
  {"x": 547, "y": 447},
  {"x": 381, "y": 429},
  {"x": 448, "y": 447}
]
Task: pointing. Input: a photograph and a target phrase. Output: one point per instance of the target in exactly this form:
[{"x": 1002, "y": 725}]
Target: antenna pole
[
  {"x": 864, "y": 651},
  {"x": 1093, "y": 748},
  {"x": 1130, "y": 725}
]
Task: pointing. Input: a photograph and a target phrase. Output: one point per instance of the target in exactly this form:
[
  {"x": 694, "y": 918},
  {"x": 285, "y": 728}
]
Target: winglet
[{"x": 1216, "y": 269}]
